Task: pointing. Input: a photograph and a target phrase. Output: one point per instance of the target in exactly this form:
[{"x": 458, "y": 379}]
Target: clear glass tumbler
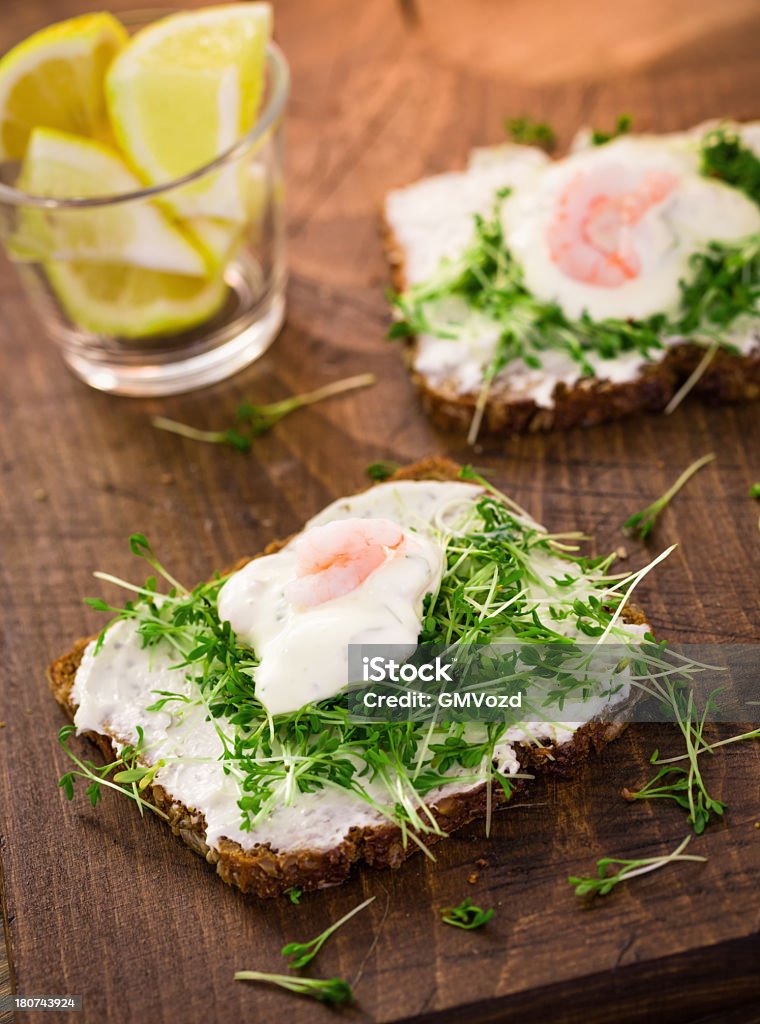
[{"x": 201, "y": 311}]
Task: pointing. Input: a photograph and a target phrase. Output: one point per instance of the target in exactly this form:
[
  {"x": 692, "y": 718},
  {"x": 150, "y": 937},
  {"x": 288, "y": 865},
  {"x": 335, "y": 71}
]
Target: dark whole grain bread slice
[
  {"x": 728, "y": 378},
  {"x": 265, "y": 871}
]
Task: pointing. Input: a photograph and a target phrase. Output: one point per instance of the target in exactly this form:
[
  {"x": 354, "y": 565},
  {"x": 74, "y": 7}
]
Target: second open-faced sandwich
[{"x": 538, "y": 293}]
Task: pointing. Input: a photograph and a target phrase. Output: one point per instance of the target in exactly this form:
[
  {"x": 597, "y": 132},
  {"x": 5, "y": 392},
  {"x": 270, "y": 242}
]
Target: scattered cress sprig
[
  {"x": 754, "y": 492},
  {"x": 641, "y": 524},
  {"x": 686, "y": 789},
  {"x": 382, "y": 470},
  {"x": 299, "y": 954},
  {"x": 126, "y": 774},
  {"x": 724, "y": 156},
  {"x": 623, "y": 125},
  {"x": 709, "y": 748},
  {"x": 254, "y": 420},
  {"x": 467, "y": 915},
  {"x": 603, "y": 883},
  {"x": 686, "y": 786},
  {"x": 326, "y": 990},
  {"x": 527, "y": 132}
]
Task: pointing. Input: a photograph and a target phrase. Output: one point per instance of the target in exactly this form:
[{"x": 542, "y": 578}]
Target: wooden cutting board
[{"x": 105, "y": 905}]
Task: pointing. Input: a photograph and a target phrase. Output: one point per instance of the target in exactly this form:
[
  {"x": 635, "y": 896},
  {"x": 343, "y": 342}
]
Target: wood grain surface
[{"x": 105, "y": 905}]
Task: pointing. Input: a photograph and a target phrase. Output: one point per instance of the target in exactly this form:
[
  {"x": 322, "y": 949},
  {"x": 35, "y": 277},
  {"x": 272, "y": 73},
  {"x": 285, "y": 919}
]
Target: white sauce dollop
[
  {"x": 303, "y": 650},
  {"x": 694, "y": 211}
]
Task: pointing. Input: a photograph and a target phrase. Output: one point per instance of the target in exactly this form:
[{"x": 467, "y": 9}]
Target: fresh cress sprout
[
  {"x": 602, "y": 883},
  {"x": 641, "y": 524},
  {"x": 709, "y": 748},
  {"x": 299, "y": 954},
  {"x": 537, "y": 133},
  {"x": 294, "y": 895},
  {"x": 127, "y": 775},
  {"x": 686, "y": 786},
  {"x": 531, "y": 133},
  {"x": 254, "y": 420},
  {"x": 724, "y": 156},
  {"x": 330, "y": 990},
  {"x": 466, "y": 915},
  {"x": 327, "y": 990},
  {"x": 383, "y": 469},
  {"x": 623, "y": 125}
]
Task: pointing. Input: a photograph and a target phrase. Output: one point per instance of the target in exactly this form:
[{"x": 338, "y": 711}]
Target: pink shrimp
[
  {"x": 591, "y": 237},
  {"x": 334, "y": 559}
]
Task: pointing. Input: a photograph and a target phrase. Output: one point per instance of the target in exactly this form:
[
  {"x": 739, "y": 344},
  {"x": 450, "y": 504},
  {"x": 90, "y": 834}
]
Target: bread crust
[
  {"x": 267, "y": 872},
  {"x": 729, "y": 378}
]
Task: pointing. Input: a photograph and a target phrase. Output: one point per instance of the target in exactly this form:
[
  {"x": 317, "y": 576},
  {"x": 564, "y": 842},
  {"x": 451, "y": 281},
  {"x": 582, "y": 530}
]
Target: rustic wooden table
[{"x": 104, "y": 905}]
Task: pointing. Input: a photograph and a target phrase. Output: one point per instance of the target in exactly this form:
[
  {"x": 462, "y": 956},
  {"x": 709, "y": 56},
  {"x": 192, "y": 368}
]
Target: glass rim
[{"x": 279, "y": 71}]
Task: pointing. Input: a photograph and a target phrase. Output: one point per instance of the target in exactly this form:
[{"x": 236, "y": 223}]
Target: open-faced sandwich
[
  {"x": 222, "y": 709},
  {"x": 537, "y": 293}
]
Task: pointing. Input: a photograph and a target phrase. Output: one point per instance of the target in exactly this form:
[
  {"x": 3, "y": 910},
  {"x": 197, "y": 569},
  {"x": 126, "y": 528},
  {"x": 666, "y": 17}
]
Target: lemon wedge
[
  {"x": 136, "y": 232},
  {"x": 218, "y": 239},
  {"x": 55, "y": 79},
  {"x": 183, "y": 91},
  {"x": 129, "y": 302}
]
